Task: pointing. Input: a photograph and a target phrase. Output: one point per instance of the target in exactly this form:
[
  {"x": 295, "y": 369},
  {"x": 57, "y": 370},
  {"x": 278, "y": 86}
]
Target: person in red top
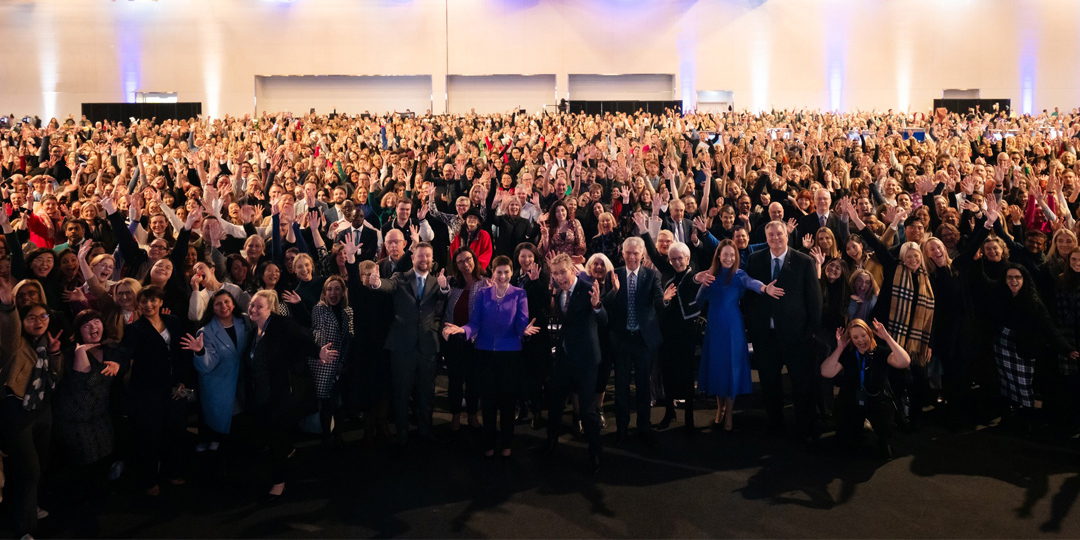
[
  {"x": 479, "y": 241},
  {"x": 44, "y": 224}
]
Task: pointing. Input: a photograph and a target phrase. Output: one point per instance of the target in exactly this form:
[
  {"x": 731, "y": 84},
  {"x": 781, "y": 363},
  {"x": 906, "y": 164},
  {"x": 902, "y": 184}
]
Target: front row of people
[{"x": 263, "y": 372}]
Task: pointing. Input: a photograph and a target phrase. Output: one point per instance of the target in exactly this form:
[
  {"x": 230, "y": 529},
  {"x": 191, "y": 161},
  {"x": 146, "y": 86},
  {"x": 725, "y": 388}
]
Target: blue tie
[
  {"x": 775, "y": 269},
  {"x": 631, "y": 313},
  {"x": 419, "y": 288}
]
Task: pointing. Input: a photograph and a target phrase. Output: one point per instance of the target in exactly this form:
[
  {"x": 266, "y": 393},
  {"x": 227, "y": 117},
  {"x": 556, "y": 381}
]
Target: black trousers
[
  {"x": 25, "y": 437},
  {"x": 772, "y": 355},
  {"x": 631, "y": 353},
  {"x": 850, "y": 416},
  {"x": 160, "y": 424},
  {"x": 498, "y": 377},
  {"x": 459, "y": 355},
  {"x": 568, "y": 375}
]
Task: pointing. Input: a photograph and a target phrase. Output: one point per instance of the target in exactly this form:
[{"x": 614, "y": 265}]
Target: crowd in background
[{"x": 241, "y": 278}]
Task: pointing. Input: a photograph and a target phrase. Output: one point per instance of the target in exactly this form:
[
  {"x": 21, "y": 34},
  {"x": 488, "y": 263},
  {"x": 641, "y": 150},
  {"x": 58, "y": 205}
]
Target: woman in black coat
[
  {"x": 536, "y": 351},
  {"x": 1023, "y": 329},
  {"x": 278, "y": 388},
  {"x": 158, "y": 389},
  {"x": 681, "y": 332}
]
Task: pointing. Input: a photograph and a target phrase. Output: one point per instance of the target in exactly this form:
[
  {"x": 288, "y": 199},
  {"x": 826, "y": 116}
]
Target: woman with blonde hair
[
  {"x": 865, "y": 393},
  {"x": 332, "y": 324}
]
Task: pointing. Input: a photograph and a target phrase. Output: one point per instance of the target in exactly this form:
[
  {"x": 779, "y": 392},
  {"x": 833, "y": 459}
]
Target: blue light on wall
[
  {"x": 129, "y": 55},
  {"x": 836, "y": 42}
]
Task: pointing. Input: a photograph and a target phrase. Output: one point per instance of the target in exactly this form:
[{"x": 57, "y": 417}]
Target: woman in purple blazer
[{"x": 497, "y": 324}]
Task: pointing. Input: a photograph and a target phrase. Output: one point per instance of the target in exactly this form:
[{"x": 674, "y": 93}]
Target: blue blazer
[
  {"x": 219, "y": 369},
  {"x": 498, "y": 325}
]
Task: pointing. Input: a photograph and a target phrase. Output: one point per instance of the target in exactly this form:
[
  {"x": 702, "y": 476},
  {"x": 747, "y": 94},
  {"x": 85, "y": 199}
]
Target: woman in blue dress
[{"x": 725, "y": 359}]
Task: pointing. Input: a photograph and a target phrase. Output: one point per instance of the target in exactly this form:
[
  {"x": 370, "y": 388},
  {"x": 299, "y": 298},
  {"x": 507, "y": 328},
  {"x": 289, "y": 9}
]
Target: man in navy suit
[
  {"x": 633, "y": 305},
  {"x": 781, "y": 329},
  {"x": 577, "y": 353}
]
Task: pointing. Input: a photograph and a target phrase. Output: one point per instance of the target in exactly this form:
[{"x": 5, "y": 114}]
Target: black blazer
[
  {"x": 650, "y": 302},
  {"x": 797, "y": 314},
  {"x": 283, "y": 350},
  {"x": 415, "y": 325},
  {"x": 156, "y": 367},
  {"x": 579, "y": 338},
  {"x": 369, "y": 240},
  {"x": 809, "y": 224},
  {"x": 687, "y": 228}
]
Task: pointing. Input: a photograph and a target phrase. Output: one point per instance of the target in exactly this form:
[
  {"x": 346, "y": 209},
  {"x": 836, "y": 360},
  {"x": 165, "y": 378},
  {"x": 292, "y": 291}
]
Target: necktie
[
  {"x": 419, "y": 288},
  {"x": 678, "y": 232},
  {"x": 775, "y": 268},
  {"x": 822, "y": 220},
  {"x": 564, "y": 300},
  {"x": 631, "y": 312}
]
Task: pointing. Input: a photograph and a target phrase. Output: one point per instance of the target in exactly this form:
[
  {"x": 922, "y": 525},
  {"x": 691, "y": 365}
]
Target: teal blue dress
[{"x": 725, "y": 359}]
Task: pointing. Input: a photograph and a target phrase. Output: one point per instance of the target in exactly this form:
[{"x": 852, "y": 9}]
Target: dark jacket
[
  {"x": 649, "y": 300},
  {"x": 797, "y": 314}
]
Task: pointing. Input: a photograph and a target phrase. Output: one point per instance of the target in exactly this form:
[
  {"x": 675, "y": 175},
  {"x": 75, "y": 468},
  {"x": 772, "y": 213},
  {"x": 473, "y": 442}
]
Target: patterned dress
[{"x": 334, "y": 326}]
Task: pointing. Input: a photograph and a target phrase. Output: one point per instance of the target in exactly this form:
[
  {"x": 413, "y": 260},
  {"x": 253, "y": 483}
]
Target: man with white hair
[{"x": 633, "y": 305}]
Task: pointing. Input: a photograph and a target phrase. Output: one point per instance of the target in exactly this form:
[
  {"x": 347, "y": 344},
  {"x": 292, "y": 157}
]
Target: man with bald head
[
  {"x": 775, "y": 213},
  {"x": 394, "y": 258}
]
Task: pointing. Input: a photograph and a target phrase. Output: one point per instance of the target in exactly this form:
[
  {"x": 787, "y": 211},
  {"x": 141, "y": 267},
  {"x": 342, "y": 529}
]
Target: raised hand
[
  {"x": 842, "y": 339},
  {"x": 704, "y": 277},
  {"x": 291, "y": 297},
  {"x": 53, "y": 341},
  {"x": 193, "y": 344},
  {"x": 791, "y": 224},
  {"x": 615, "y": 285},
  {"x": 532, "y": 329},
  {"x": 443, "y": 284},
  {"x": 533, "y": 272},
  {"x": 670, "y": 292},
  {"x": 111, "y": 368},
  {"x": 818, "y": 256},
  {"x": 807, "y": 241},
  {"x": 879, "y": 330},
  {"x": 594, "y": 295}
]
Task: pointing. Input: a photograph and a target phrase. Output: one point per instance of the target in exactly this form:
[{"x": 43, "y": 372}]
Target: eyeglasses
[
  {"x": 1014, "y": 278},
  {"x": 35, "y": 318},
  {"x": 158, "y": 247}
]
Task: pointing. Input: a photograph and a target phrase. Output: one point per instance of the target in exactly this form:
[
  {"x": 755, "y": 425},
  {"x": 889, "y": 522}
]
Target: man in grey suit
[{"x": 413, "y": 340}]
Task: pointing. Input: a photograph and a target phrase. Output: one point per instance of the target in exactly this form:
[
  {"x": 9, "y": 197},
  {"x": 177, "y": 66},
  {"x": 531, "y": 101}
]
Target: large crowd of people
[{"x": 242, "y": 276}]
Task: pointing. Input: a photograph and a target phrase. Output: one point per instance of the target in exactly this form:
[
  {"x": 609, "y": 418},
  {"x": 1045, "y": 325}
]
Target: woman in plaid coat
[
  {"x": 1024, "y": 327},
  {"x": 331, "y": 322}
]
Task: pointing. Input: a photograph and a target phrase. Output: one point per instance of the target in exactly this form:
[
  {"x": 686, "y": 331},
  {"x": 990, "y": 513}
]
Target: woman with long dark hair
[
  {"x": 218, "y": 348},
  {"x": 467, "y": 279},
  {"x": 1024, "y": 329},
  {"x": 30, "y": 365},
  {"x": 158, "y": 389},
  {"x": 532, "y": 276},
  {"x": 725, "y": 357},
  {"x": 561, "y": 233}
]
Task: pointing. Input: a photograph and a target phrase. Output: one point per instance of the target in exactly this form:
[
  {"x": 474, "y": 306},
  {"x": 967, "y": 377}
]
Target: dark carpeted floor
[{"x": 985, "y": 483}]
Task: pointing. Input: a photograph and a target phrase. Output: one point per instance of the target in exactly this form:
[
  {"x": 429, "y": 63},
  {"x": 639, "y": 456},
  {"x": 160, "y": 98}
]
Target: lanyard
[{"x": 862, "y": 368}]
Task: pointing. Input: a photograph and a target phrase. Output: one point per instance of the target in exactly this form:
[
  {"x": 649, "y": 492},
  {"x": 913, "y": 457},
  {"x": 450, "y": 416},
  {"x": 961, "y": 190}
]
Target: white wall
[
  {"x": 500, "y": 93},
  {"x": 345, "y": 94},
  {"x": 846, "y": 54}
]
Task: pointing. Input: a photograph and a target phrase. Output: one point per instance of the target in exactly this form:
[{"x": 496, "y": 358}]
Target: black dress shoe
[
  {"x": 620, "y": 438},
  {"x": 669, "y": 417},
  {"x": 270, "y": 499},
  {"x": 549, "y": 446},
  {"x": 594, "y": 464}
]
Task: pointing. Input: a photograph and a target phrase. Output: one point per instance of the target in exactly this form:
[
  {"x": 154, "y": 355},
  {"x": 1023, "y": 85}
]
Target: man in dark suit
[
  {"x": 823, "y": 217},
  {"x": 781, "y": 328},
  {"x": 413, "y": 340},
  {"x": 395, "y": 260},
  {"x": 677, "y": 223},
  {"x": 365, "y": 236},
  {"x": 577, "y": 353},
  {"x": 633, "y": 305}
]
